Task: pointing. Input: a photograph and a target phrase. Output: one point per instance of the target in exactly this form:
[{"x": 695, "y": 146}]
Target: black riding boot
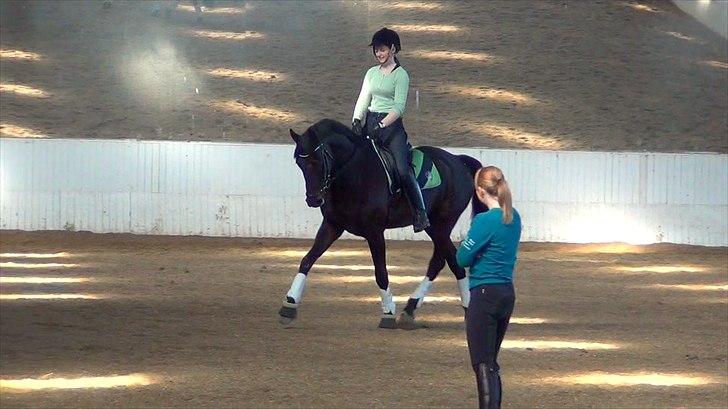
[
  {"x": 489, "y": 387},
  {"x": 414, "y": 195}
]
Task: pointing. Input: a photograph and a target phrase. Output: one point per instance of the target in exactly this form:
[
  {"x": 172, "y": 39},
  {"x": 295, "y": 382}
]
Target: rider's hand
[
  {"x": 378, "y": 130},
  {"x": 357, "y": 128}
]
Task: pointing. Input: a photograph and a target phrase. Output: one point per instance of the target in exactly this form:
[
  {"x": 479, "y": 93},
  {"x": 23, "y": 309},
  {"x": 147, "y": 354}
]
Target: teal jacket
[{"x": 490, "y": 248}]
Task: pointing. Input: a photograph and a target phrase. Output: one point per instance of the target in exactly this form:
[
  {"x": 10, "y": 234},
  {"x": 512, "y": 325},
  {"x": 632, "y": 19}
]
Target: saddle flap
[
  {"x": 426, "y": 173},
  {"x": 425, "y": 170},
  {"x": 386, "y": 159}
]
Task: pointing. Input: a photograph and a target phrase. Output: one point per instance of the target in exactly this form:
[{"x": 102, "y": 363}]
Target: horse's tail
[{"x": 473, "y": 165}]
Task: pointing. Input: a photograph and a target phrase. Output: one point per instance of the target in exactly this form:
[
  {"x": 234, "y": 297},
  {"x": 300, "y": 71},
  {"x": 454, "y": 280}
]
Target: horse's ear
[{"x": 294, "y": 136}]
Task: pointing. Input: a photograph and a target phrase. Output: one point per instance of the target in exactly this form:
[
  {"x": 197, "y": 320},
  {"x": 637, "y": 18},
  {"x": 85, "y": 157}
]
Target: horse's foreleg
[
  {"x": 326, "y": 235},
  {"x": 379, "y": 256}
]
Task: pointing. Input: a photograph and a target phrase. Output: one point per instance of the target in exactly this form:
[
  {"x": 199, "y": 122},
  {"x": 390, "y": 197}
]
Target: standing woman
[
  {"x": 381, "y": 104},
  {"x": 490, "y": 251}
]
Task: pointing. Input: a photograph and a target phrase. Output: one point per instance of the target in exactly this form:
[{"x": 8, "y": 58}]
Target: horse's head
[{"x": 315, "y": 160}]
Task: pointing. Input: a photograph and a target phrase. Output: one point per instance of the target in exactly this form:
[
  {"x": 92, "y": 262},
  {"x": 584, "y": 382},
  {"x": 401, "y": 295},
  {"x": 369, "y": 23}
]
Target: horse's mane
[{"x": 326, "y": 127}]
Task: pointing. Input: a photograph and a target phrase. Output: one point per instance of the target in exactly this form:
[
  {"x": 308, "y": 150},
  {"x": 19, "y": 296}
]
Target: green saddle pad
[{"x": 426, "y": 172}]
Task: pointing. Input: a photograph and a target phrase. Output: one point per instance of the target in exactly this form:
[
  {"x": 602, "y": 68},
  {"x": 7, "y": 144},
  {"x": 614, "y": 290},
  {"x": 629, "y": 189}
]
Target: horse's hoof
[
  {"x": 388, "y": 322},
  {"x": 406, "y": 321},
  {"x": 288, "y": 313},
  {"x": 285, "y": 321}
]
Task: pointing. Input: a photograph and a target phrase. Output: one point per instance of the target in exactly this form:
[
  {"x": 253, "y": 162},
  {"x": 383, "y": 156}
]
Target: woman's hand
[
  {"x": 377, "y": 131},
  {"x": 357, "y": 128}
]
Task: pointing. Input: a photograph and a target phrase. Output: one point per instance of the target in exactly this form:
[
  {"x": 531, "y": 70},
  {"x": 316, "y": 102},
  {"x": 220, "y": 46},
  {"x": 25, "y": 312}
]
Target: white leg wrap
[
  {"x": 299, "y": 284},
  {"x": 422, "y": 291},
  {"x": 388, "y": 305},
  {"x": 464, "y": 287}
]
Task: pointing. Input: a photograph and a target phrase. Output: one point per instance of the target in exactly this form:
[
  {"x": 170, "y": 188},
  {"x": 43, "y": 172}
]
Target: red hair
[{"x": 490, "y": 179}]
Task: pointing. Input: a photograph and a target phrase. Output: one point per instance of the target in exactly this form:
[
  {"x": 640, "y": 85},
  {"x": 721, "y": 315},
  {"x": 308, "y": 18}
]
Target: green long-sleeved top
[
  {"x": 490, "y": 248},
  {"x": 382, "y": 93}
]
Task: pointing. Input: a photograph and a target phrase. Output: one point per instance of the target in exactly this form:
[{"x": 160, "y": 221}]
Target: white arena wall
[
  {"x": 255, "y": 190},
  {"x": 713, "y": 14}
]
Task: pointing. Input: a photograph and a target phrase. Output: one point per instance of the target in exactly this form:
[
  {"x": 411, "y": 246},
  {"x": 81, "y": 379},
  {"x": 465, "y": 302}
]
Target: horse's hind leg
[
  {"x": 459, "y": 272},
  {"x": 327, "y": 234}
]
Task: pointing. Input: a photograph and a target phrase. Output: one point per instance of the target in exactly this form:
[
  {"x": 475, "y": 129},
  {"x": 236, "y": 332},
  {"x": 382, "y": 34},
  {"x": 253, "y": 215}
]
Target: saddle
[{"x": 425, "y": 171}]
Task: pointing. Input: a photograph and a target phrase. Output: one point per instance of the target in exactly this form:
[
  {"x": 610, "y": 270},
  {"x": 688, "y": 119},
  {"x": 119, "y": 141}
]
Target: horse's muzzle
[{"x": 314, "y": 201}]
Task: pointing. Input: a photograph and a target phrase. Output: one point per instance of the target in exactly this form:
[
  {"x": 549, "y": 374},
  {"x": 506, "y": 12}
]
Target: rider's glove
[
  {"x": 357, "y": 128},
  {"x": 377, "y": 131}
]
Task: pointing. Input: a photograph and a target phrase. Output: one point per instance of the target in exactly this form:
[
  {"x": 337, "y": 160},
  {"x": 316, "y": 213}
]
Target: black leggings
[
  {"x": 489, "y": 312},
  {"x": 394, "y": 138}
]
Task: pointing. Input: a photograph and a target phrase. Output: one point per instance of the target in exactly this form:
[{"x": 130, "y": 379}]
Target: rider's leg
[
  {"x": 394, "y": 137},
  {"x": 397, "y": 144}
]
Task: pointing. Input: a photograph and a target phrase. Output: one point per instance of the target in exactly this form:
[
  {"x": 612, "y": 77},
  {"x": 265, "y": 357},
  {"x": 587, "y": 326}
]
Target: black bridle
[{"x": 327, "y": 158}]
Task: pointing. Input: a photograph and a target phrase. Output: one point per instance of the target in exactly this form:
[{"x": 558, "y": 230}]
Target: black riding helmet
[{"x": 387, "y": 38}]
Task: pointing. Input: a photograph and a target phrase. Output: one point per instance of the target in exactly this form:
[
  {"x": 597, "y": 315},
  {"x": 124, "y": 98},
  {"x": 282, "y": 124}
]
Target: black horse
[{"x": 345, "y": 178}]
